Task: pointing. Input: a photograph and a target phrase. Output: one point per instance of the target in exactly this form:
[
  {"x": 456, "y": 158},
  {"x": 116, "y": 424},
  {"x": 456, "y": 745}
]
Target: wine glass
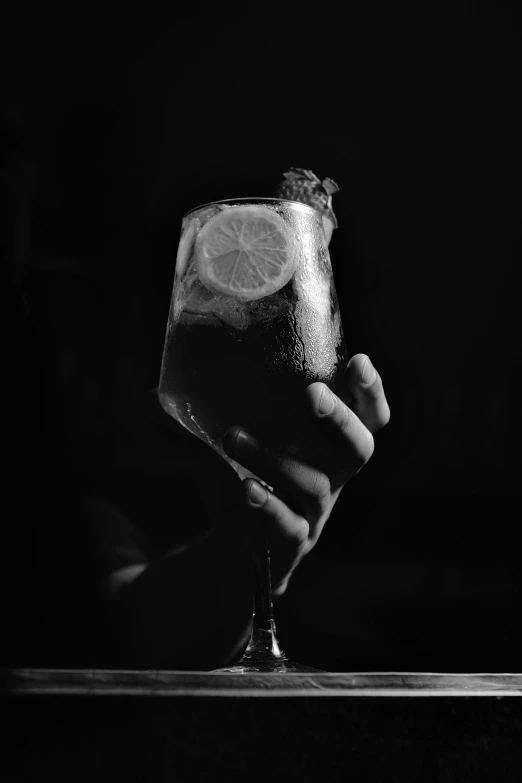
[{"x": 253, "y": 320}]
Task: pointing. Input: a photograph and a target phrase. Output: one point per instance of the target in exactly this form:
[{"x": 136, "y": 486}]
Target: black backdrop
[{"x": 115, "y": 122}]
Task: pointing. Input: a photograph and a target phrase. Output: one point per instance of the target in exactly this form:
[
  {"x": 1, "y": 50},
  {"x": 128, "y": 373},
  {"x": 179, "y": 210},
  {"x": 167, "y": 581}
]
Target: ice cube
[
  {"x": 232, "y": 311},
  {"x": 226, "y": 309}
]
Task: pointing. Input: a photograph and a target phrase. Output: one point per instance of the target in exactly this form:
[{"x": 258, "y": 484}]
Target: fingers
[
  {"x": 246, "y": 512},
  {"x": 338, "y": 442},
  {"x": 369, "y": 401},
  {"x": 286, "y": 532},
  {"x": 351, "y": 441},
  {"x": 309, "y": 481},
  {"x": 302, "y": 486}
]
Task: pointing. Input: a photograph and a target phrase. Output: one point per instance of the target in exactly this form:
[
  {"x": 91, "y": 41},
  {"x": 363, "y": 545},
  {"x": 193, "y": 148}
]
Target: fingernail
[
  {"x": 368, "y": 373},
  {"x": 326, "y": 402},
  {"x": 246, "y": 444},
  {"x": 257, "y": 494}
]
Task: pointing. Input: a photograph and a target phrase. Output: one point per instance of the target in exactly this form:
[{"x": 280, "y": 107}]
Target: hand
[{"x": 307, "y": 483}]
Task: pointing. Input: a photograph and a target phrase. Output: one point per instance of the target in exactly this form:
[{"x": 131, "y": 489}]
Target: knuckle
[
  {"x": 377, "y": 389},
  {"x": 385, "y": 415},
  {"x": 278, "y": 513},
  {"x": 365, "y": 448},
  {"x": 319, "y": 493},
  {"x": 382, "y": 413},
  {"x": 300, "y": 540},
  {"x": 346, "y": 424}
]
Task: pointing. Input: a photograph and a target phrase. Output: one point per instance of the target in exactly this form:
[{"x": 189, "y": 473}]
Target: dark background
[{"x": 115, "y": 122}]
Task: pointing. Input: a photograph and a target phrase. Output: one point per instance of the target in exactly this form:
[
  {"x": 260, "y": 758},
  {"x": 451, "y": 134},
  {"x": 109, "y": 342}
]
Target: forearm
[{"x": 189, "y": 610}]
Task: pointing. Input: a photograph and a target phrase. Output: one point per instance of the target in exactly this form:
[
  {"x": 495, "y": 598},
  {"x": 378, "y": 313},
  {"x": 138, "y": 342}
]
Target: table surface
[
  {"x": 100, "y": 682},
  {"x": 149, "y": 725}
]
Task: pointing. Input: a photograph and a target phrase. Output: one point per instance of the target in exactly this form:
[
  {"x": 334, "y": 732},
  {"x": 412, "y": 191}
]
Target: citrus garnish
[{"x": 245, "y": 251}]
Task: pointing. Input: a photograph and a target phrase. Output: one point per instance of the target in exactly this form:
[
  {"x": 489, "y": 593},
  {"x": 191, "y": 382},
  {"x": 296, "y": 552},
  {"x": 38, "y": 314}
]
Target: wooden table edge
[{"x": 161, "y": 684}]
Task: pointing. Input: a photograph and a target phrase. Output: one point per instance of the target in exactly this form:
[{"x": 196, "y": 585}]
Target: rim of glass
[{"x": 255, "y": 200}]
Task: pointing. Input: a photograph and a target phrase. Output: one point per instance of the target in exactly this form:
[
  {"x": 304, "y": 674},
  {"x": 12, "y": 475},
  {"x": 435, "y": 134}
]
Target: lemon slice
[{"x": 245, "y": 251}]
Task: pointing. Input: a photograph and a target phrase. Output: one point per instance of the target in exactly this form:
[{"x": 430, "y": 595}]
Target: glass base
[
  {"x": 283, "y": 668},
  {"x": 273, "y": 665}
]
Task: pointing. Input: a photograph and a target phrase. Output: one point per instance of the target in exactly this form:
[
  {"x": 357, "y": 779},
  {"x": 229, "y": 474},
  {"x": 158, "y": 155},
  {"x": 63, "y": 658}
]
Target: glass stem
[{"x": 263, "y": 642}]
